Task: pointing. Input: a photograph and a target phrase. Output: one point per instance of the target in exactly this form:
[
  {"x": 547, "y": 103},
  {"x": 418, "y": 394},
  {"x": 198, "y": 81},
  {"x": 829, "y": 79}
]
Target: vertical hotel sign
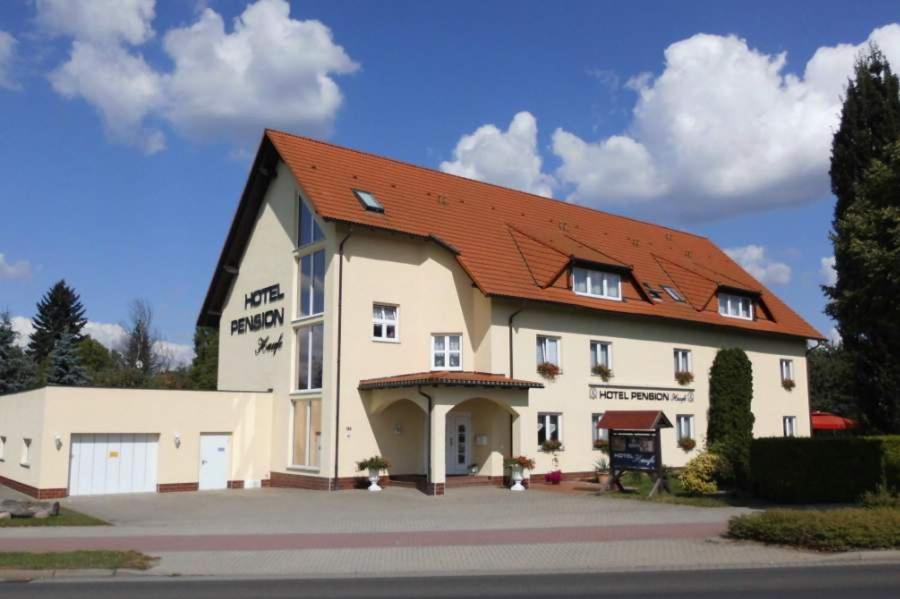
[{"x": 268, "y": 318}]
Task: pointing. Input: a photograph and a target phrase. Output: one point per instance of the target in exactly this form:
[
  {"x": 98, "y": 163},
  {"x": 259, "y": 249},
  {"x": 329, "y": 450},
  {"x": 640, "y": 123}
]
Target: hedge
[{"x": 823, "y": 470}]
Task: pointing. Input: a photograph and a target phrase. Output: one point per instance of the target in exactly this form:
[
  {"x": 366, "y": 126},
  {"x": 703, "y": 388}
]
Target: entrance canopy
[
  {"x": 456, "y": 378},
  {"x": 825, "y": 421},
  {"x": 634, "y": 420}
]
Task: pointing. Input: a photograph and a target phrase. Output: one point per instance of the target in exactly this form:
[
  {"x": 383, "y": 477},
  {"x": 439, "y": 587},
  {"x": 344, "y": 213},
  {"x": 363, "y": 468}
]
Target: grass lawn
[
  {"x": 824, "y": 530},
  {"x": 76, "y": 560},
  {"x": 639, "y": 485},
  {"x": 66, "y": 518}
]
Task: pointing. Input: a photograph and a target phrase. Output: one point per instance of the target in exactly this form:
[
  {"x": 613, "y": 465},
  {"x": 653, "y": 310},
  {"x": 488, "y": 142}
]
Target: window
[
  {"x": 309, "y": 229},
  {"x": 673, "y": 293},
  {"x": 547, "y": 350},
  {"x": 684, "y": 426},
  {"x": 549, "y": 428},
  {"x": 735, "y": 306},
  {"x": 599, "y": 436},
  {"x": 446, "y": 352},
  {"x": 26, "y": 452},
  {"x": 683, "y": 360},
  {"x": 790, "y": 426},
  {"x": 369, "y": 201},
  {"x": 2, "y": 449},
  {"x": 596, "y": 283},
  {"x": 787, "y": 370},
  {"x": 309, "y": 351},
  {"x": 312, "y": 284},
  {"x": 384, "y": 322},
  {"x": 601, "y": 354},
  {"x": 306, "y": 449}
]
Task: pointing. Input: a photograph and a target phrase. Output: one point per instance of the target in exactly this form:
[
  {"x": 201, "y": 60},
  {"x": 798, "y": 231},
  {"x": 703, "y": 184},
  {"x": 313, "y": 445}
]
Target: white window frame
[
  {"x": 674, "y": 293},
  {"x": 446, "y": 351},
  {"x": 296, "y": 382},
  {"x": 787, "y": 369},
  {"x": 25, "y": 458},
  {"x": 679, "y": 427},
  {"x": 597, "y": 433},
  {"x": 683, "y": 358},
  {"x": 314, "y": 225},
  {"x": 595, "y": 355},
  {"x": 545, "y": 417},
  {"x": 385, "y": 322},
  {"x": 310, "y": 251},
  {"x": 729, "y": 300},
  {"x": 605, "y": 283},
  {"x": 789, "y": 424},
  {"x": 542, "y": 341},
  {"x": 308, "y": 402}
]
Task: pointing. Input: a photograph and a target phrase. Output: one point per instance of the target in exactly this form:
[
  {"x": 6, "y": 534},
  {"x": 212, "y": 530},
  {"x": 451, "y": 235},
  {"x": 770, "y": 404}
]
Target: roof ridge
[{"x": 487, "y": 183}]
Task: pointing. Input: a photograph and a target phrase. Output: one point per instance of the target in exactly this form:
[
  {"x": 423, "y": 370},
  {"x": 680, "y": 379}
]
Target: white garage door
[{"x": 102, "y": 464}]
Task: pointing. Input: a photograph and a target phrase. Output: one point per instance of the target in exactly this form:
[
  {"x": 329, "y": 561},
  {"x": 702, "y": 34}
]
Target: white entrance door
[
  {"x": 215, "y": 460},
  {"x": 459, "y": 443},
  {"x": 102, "y": 464}
]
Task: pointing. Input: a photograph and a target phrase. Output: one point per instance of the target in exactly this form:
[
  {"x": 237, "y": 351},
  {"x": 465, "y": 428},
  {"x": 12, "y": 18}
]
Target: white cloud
[
  {"x": 24, "y": 327},
  {"x": 20, "y": 269},
  {"x": 753, "y": 259},
  {"x": 826, "y": 269},
  {"x": 507, "y": 158},
  {"x": 724, "y": 129},
  {"x": 7, "y": 55},
  {"x": 269, "y": 71},
  {"x": 100, "y": 21},
  {"x": 177, "y": 354},
  {"x": 834, "y": 336},
  {"x": 108, "y": 334}
]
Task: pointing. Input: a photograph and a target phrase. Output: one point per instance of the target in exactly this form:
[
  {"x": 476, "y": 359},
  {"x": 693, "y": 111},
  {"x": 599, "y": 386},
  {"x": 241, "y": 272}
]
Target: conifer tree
[
  {"x": 17, "y": 372},
  {"x": 730, "y": 421},
  {"x": 59, "y": 311},
  {"x": 65, "y": 365},
  {"x": 205, "y": 367}
]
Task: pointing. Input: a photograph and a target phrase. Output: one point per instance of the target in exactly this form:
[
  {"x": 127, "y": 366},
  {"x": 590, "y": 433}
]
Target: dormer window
[
  {"x": 735, "y": 306},
  {"x": 597, "y": 283},
  {"x": 368, "y": 200}
]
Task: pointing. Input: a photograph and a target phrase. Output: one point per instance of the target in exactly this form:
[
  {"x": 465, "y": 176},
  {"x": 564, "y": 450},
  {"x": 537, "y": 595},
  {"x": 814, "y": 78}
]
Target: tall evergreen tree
[
  {"x": 205, "y": 367},
  {"x": 730, "y": 421},
  {"x": 59, "y": 311},
  {"x": 17, "y": 372},
  {"x": 870, "y": 121},
  {"x": 831, "y": 380},
  {"x": 866, "y": 302},
  {"x": 65, "y": 365}
]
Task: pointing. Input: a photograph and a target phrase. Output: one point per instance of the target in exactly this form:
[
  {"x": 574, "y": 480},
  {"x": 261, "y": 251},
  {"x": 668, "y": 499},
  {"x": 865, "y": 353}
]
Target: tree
[
  {"x": 831, "y": 380},
  {"x": 205, "y": 367},
  {"x": 870, "y": 121},
  {"x": 65, "y": 365},
  {"x": 59, "y": 311},
  {"x": 730, "y": 421},
  {"x": 140, "y": 350},
  {"x": 17, "y": 372},
  {"x": 865, "y": 300},
  {"x": 97, "y": 361}
]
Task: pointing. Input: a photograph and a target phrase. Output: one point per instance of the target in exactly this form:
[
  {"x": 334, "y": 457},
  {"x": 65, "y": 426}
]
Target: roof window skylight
[
  {"x": 368, "y": 200},
  {"x": 673, "y": 293}
]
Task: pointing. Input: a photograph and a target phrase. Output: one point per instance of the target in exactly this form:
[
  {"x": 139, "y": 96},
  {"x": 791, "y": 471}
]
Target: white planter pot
[
  {"x": 374, "y": 477},
  {"x": 517, "y": 474}
]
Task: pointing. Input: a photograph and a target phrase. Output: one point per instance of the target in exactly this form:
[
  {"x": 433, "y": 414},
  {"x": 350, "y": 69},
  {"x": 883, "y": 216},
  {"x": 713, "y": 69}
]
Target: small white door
[
  {"x": 215, "y": 460},
  {"x": 459, "y": 433},
  {"x": 104, "y": 464}
]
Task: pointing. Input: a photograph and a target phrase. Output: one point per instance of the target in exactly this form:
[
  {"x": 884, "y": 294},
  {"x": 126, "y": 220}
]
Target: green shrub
[
  {"x": 880, "y": 498},
  {"x": 730, "y": 424},
  {"x": 700, "y": 474},
  {"x": 819, "y": 470},
  {"x": 826, "y": 530}
]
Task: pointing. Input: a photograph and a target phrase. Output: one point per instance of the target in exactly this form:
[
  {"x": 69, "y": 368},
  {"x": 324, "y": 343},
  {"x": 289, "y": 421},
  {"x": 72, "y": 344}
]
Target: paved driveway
[{"x": 262, "y": 511}]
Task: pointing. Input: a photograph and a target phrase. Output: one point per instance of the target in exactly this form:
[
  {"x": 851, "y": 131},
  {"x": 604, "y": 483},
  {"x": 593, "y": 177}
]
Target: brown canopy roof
[
  {"x": 634, "y": 420},
  {"x": 462, "y": 378}
]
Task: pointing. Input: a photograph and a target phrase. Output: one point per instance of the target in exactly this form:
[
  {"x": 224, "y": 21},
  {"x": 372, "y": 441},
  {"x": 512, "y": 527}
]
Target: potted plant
[
  {"x": 601, "y": 471},
  {"x": 687, "y": 443},
  {"x": 604, "y": 372},
  {"x": 375, "y": 465},
  {"x": 517, "y": 467},
  {"x": 548, "y": 370},
  {"x": 684, "y": 377},
  {"x": 553, "y": 446},
  {"x": 788, "y": 384}
]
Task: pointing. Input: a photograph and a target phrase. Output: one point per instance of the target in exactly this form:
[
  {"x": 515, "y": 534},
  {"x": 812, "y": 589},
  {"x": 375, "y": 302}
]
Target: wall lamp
[
  {"x": 57, "y": 440},
  {"x": 177, "y": 440}
]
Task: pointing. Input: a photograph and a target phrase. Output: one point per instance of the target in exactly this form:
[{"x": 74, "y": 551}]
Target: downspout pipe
[
  {"x": 511, "y": 317},
  {"x": 428, "y": 440},
  {"x": 337, "y": 392}
]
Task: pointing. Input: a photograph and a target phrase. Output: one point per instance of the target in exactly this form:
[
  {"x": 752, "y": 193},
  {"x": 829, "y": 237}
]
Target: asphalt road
[{"x": 820, "y": 582}]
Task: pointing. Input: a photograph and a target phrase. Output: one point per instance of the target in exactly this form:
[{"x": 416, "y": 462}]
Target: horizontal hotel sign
[{"x": 641, "y": 393}]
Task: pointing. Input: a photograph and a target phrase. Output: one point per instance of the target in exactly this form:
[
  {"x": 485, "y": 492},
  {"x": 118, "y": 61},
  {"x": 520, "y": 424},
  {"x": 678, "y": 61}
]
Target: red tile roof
[
  {"x": 512, "y": 244},
  {"x": 633, "y": 420},
  {"x": 463, "y": 378}
]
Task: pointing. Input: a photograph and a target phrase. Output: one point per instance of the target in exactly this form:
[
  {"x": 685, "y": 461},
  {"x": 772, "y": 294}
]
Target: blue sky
[{"x": 127, "y": 133}]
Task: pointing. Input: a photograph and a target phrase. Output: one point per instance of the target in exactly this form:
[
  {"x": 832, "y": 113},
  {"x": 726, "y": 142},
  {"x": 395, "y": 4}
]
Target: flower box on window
[
  {"x": 687, "y": 443},
  {"x": 604, "y": 372},
  {"x": 548, "y": 370},
  {"x": 788, "y": 384},
  {"x": 684, "y": 377}
]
